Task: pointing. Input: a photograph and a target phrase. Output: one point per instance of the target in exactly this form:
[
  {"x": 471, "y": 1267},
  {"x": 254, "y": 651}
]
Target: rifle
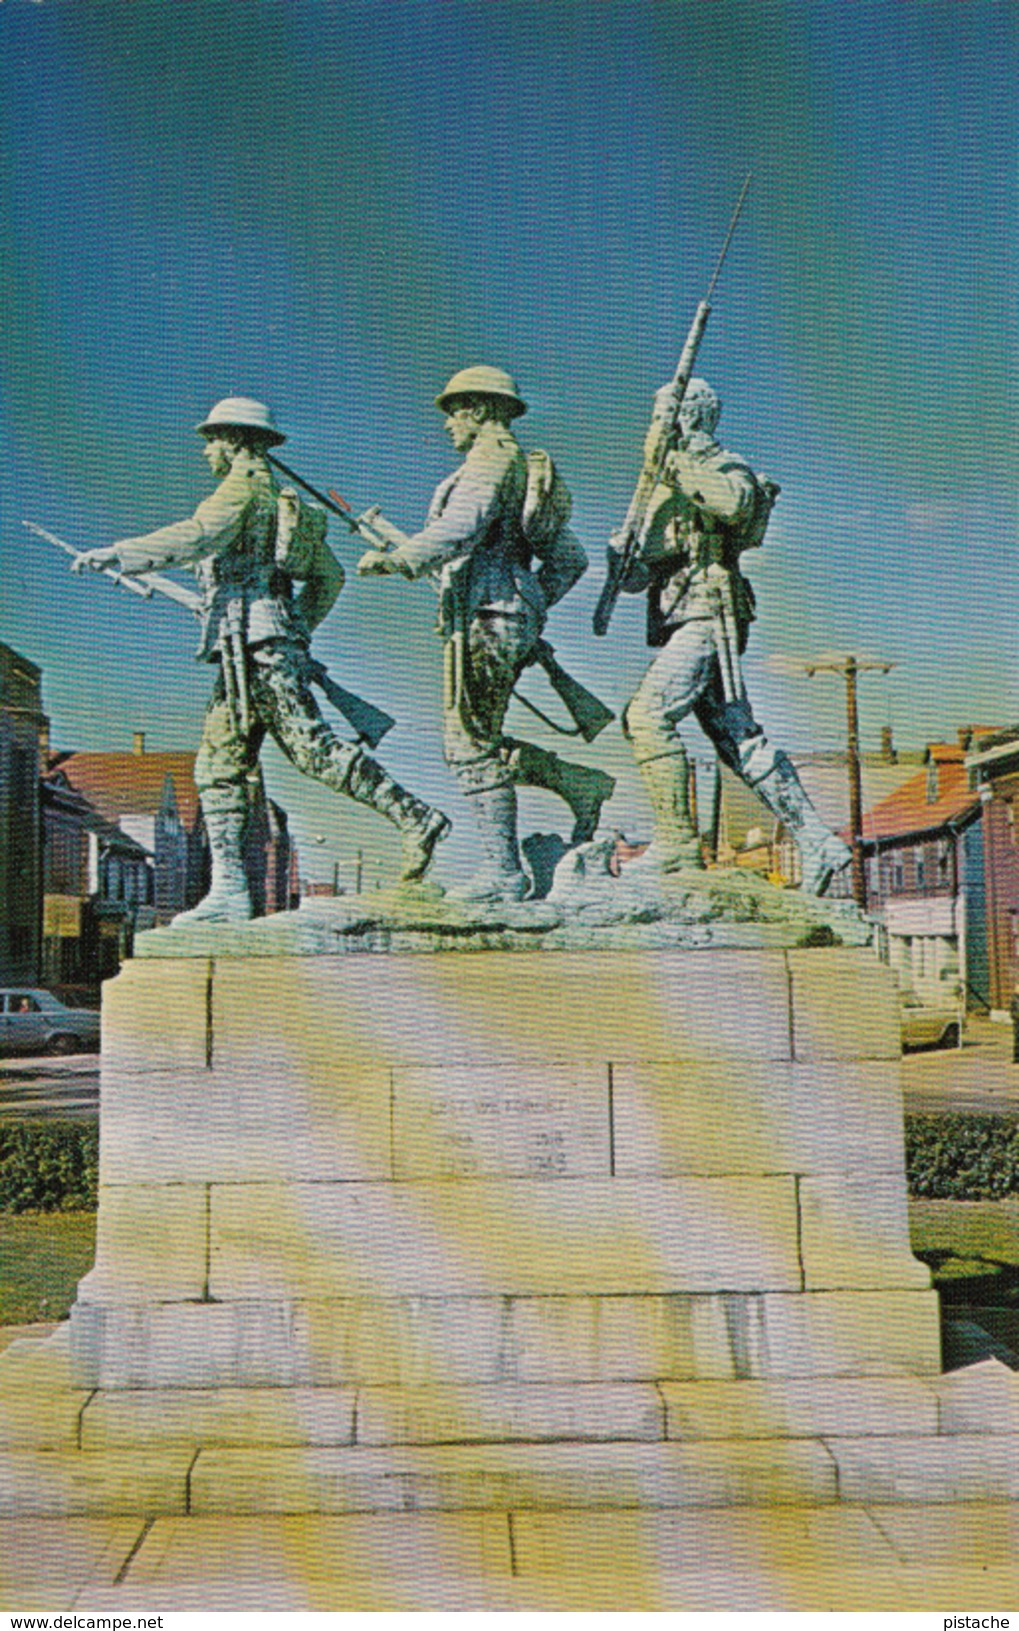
[
  {"x": 369, "y": 723},
  {"x": 626, "y": 543},
  {"x": 145, "y": 584},
  {"x": 588, "y": 712}
]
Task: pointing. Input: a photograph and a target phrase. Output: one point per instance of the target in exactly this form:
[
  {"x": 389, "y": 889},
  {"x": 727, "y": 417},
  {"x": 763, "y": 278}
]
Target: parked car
[
  {"x": 927, "y": 1026},
  {"x": 37, "y": 1022}
]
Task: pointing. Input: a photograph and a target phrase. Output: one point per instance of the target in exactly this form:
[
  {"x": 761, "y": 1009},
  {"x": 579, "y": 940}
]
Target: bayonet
[{"x": 626, "y": 544}]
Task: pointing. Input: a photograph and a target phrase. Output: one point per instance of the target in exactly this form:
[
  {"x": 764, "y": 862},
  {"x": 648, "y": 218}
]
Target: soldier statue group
[{"x": 497, "y": 540}]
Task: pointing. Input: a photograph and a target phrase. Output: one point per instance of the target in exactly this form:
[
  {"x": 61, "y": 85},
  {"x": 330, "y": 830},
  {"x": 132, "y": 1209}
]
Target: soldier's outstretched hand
[
  {"x": 380, "y": 563},
  {"x": 94, "y": 560}
]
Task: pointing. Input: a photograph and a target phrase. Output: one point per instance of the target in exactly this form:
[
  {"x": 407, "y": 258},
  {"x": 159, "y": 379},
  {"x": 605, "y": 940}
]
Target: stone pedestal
[
  {"x": 502, "y": 1230},
  {"x": 595, "y": 1167}
]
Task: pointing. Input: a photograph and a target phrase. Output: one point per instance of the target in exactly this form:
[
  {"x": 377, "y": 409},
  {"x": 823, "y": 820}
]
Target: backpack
[{"x": 544, "y": 524}]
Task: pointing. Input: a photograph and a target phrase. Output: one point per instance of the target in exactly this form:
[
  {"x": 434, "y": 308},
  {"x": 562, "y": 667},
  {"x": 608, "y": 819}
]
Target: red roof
[
  {"x": 126, "y": 784},
  {"x": 907, "y": 810}
]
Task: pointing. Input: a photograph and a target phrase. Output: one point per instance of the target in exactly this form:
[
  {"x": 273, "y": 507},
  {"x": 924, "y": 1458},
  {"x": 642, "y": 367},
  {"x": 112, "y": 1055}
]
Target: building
[
  {"x": 23, "y": 727},
  {"x": 924, "y": 866},
  {"x": 749, "y": 834},
  {"x": 992, "y": 764},
  {"x": 152, "y": 797},
  {"x": 98, "y": 889}
]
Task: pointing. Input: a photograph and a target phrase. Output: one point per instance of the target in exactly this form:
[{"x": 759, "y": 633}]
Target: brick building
[
  {"x": 23, "y": 727},
  {"x": 993, "y": 766}
]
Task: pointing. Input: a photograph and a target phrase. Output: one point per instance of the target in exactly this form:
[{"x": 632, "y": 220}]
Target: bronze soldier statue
[
  {"x": 498, "y": 539},
  {"x": 249, "y": 543}
]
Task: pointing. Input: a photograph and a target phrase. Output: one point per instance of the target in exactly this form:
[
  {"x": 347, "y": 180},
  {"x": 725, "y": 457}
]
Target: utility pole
[{"x": 850, "y": 667}]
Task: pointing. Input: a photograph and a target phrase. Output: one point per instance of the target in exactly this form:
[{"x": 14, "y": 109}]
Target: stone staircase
[{"x": 499, "y": 1446}]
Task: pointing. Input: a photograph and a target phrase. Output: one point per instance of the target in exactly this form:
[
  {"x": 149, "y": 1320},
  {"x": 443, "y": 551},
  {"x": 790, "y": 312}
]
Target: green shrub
[
  {"x": 48, "y": 1166},
  {"x": 962, "y": 1157}
]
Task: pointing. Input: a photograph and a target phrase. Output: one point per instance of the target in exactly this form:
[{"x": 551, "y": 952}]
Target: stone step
[
  {"x": 39, "y": 1411},
  {"x": 249, "y": 1479},
  {"x": 504, "y": 1412},
  {"x": 413, "y": 1341},
  {"x": 506, "y": 1476},
  {"x": 107, "y": 1483}
]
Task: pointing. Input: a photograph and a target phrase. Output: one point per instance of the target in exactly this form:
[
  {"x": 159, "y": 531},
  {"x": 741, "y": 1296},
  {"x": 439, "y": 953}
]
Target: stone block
[
  {"x": 844, "y": 1006},
  {"x": 47, "y": 1561},
  {"x": 509, "y": 1411},
  {"x": 680, "y": 1004},
  {"x": 151, "y": 1244},
  {"x": 671, "y": 1118},
  {"x": 38, "y": 1419},
  {"x": 196, "y": 1126},
  {"x": 985, "y": 1532},
  {"x": 200, "y": 1345},
  {"x": 494, "y": 1477},
  {"x": 850, "y": 1333},
  {"x": 464, "y": 1121},
  {"x": 651, "y": 1545},
  {"x": 199, "y": 1416},
  {"x": 964, "y": 1467},
  {"x": 196, "y": 1551},
  {"x": 508, "y": 1236},
  {"x": 855, "y": 1233},
  {"x": 812, "y": 1407},
  {"x": 66, "y": 1483},
  {"x": 31, "y": 1365},
  {"x": 982, "y": 1398},
  {"x": 156, "y": 1016}
]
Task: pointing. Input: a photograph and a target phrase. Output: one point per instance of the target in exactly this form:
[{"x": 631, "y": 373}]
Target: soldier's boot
[
  {"x": 581, "y": 787},
  {"x": 822, "y": 852},
  {"x": 229, "y": 899},
  {"x": 675, "y": 843},
  {"x": 501, "y": 877},
  {"x": 421, "y": 825}
]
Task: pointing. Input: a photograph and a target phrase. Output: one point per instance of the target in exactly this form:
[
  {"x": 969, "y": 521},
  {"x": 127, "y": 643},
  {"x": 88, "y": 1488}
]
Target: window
[
  {"x": 919, "y": 865},
  {"x": 21, "y": 1002},
  {"x": 22, "y": 776}
]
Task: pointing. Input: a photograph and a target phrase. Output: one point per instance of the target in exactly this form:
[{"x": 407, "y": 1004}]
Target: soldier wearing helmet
[
  {"x": 249, "y": 542},
  {"x": 480, "y": 542},
  {"x": 709, "y": 507}
]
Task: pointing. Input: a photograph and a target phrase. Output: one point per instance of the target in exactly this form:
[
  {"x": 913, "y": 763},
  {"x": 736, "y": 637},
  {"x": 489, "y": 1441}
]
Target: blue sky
[{"x": 335, "y": 205}]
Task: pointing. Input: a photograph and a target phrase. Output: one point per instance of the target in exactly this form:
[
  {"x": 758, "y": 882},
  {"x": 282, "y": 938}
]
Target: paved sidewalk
[{"x": 899, "y": 1557}]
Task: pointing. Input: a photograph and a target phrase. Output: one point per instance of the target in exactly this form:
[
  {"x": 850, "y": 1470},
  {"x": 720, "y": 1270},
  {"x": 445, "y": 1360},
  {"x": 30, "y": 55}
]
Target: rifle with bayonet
[
  {"x": 369, "y": 723},
  {"x": 627, "y": 543}
]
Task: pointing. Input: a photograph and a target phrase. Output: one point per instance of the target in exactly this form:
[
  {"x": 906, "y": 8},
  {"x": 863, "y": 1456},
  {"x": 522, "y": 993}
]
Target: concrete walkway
[{"x": 932, "y": 1558}]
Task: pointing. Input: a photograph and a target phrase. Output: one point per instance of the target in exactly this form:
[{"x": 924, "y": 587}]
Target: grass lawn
[
  {"x": 43, "y": 1255},
  {"x": 972, "y": 1247}
]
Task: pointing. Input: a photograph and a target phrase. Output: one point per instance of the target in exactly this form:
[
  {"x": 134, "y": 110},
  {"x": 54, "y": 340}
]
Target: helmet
[
  {"x": 482, "y": 381},
  {"x": 242, "y": 413}
]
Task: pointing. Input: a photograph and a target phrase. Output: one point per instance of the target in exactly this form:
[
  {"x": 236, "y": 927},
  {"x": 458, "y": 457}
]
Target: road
[
  {"x": 40, "y": 1086},
  {"x": 978, "y": 1077}
]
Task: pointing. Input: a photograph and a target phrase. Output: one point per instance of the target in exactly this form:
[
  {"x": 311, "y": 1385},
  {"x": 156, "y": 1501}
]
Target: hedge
[
  {"x": 48, "y": 1166},
  {"x": 52, "y": 1166},
  {"x": 962, "y": 1157}
]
